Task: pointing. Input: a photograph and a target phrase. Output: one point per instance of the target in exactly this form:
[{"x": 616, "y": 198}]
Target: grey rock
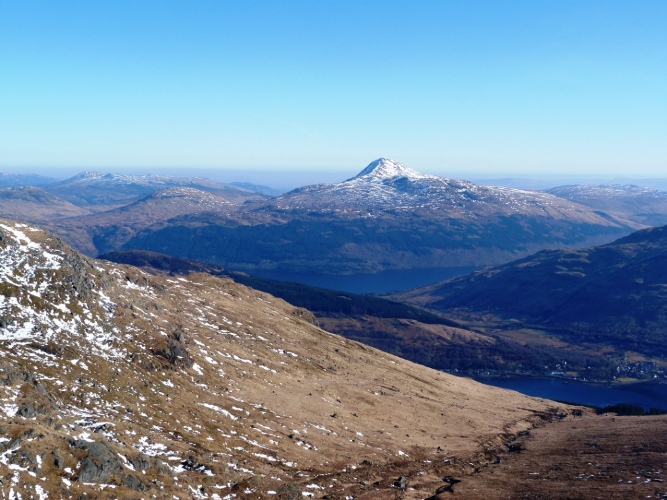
[
  {"x": 134, "y": 483},
  {"x": 289, "y": 491},
  {"x": 16, "y": 441},
  {"x": 142, "y": 462},
  {"x": 99, "y": 464},
  {"x": 176, "y": 354},
  {"x": 57, "y": 459},
  {"x": 191, "y": 463},
  {"x": 13, "y": 376},
  {"x": 29, "y": 410}
]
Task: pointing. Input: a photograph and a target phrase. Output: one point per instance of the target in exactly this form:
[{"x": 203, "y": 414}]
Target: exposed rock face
[
  {"x": 29, "y": 410},
  {"x": 99, "y": 464},
  {"x": 175, "y": 353}
]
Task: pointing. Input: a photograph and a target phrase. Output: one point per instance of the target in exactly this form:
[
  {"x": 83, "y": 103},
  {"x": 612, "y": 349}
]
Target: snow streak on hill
[
  {"x": 42, "y": 290},
  {"x": 98, "y": 179}
]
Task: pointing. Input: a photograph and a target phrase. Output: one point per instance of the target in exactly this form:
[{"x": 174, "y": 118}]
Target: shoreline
[
  {"x": 565, "y": 378},
  {"x": 649, "y": 394}
]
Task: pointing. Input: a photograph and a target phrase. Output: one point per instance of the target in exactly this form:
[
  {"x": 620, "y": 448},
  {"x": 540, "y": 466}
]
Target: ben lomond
[{"x": 387, "y": 217}]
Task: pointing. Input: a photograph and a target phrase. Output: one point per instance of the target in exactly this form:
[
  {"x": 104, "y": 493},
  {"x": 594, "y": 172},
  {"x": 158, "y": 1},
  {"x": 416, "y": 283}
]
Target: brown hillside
[{"x": 120, "y": 384}]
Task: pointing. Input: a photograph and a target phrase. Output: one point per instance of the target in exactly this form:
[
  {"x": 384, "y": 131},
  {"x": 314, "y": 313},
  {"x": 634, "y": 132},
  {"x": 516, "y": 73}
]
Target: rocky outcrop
[
  {"x": 99, "y": 463},
  {"x": 175, "y": 353}
]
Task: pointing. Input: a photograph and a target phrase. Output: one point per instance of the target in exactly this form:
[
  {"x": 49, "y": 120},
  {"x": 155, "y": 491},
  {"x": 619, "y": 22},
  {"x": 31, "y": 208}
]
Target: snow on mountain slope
[
  {"x": 388, "y": 217},
  {"x": 386, "y": 185},
  {"x": 191, "y": 197},
  {"x": 92, "y": 189},
  {"x": 636, "y": 203},
  {"x": 384, "y": 168},
  {"x": 577, "y": 190},
  {"x": 115, "y": 383},
  {"x": 37, "y": 308},
  {"x": 149, "y": 180}
]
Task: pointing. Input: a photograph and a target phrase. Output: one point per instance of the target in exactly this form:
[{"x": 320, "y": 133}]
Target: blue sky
[{"x": 458, "y": 88}]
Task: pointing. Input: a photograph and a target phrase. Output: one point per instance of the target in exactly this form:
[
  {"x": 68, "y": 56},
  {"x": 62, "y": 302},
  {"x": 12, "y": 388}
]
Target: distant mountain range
[
  {"x": 387, "y": 217},
  {"x": 94, "y": 188},
  {"x": 258, "y": 188},
  {"x": 99, "y": 212},
  {"x": 34, "y": 204},
  {"x": 10, "y": 179},
  {"x": 627, "y": 201},
  {"x": 612, "y": 298},
  {"x": 111, "y": 229},
  {"x": 386, "y": 186}
]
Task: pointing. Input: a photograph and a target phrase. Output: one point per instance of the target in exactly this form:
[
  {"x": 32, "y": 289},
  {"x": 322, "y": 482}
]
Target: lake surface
[
  {"x": 382, "y": 282},
  {"x": 645, "y": 394}
]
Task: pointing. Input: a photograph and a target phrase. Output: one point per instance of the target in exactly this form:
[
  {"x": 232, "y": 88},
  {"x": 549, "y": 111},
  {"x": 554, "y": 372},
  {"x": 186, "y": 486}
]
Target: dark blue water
[
  {"x": 382, "y": 282},
  {"x": 645, "y": 394}
]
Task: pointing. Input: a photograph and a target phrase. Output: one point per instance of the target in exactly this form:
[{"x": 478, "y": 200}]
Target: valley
[
  {"x": 607, "y": 300},
  {"x": 445, "y": 340},
  {"x": 124, "y": 384},
  {"x": 388, "y": 229}
]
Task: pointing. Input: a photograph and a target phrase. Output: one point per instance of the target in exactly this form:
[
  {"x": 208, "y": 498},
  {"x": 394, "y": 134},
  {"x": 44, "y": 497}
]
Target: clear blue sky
[{"x": 486, "y": 88}]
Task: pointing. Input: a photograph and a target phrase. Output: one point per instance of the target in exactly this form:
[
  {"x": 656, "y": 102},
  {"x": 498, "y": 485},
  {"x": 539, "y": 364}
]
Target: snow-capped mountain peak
[
  {"x": 388, "y": 187},
  {"x": 384, "y": 168}
]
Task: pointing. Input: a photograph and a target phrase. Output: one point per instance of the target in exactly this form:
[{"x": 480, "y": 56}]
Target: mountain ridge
[
  {"x": 100, "y": 232},
  {"x": 11, "y": 179},
  {"x": 639, "y": 204},
  {"x": 35, "y": 204},
  {"x": 95, "y": 188},
  {"x": 612, "y": 296}
]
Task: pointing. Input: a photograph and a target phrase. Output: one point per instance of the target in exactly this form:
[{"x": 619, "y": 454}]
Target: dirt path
[{"x": 585, "y": 457}]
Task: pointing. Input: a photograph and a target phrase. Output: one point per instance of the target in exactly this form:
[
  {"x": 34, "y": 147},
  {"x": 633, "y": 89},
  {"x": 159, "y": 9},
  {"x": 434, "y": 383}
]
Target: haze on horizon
[{"x": 468, "y": 89}]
